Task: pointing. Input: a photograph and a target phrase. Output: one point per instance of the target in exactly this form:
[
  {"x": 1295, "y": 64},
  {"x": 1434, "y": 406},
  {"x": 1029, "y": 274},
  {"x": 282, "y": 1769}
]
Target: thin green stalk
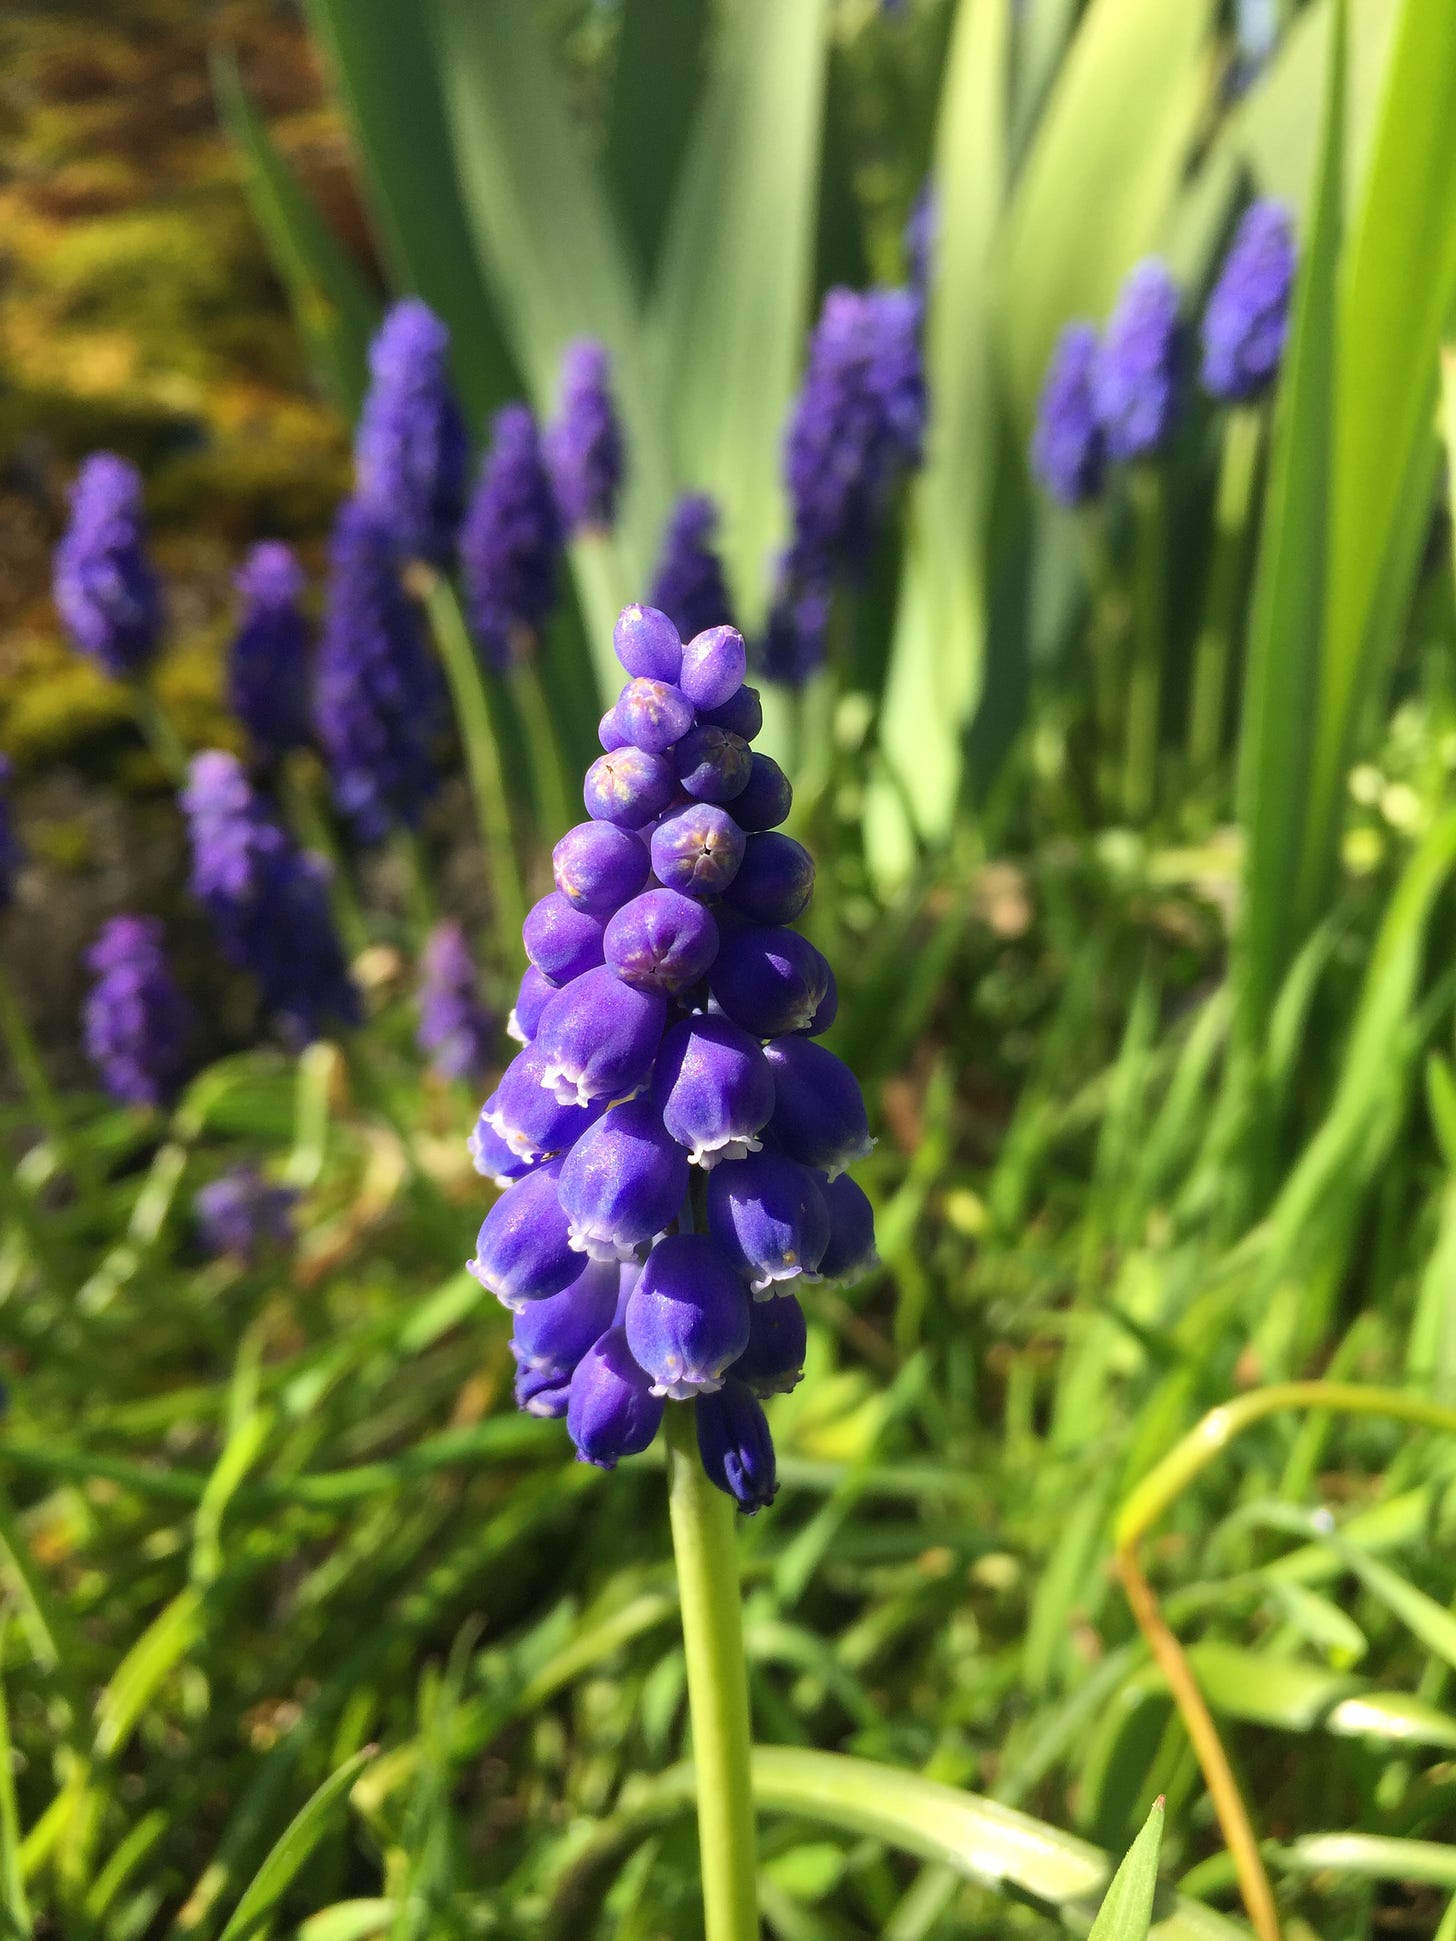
[
  {"x": 1213, "y": 655},
  {"x": 312, "y": 829},
  {"x": 482, "y": 755},
  {"x": 548, "y": 768},
  {"x": 161, "y": 737},
  {"x": 1149, "y": 621},
  {"x": 712, "y": 1618},
  {"x": 25, "y": 1057},
  {"x": 1106, "y": 638}
]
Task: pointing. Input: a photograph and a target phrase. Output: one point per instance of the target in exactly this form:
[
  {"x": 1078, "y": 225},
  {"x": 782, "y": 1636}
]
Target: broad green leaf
[
  {"x": 1370, "y": 1856},
  {"x": 1290, "y": 1695},
  {"x": 656, "y": 103},
  {"x": 254, "y": 1911},
  {"x": 1127, "y": 1912}
]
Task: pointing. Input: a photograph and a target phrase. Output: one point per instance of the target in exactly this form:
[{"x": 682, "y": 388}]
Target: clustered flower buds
[
  {"x": 688, "y": 585},
  {"x": 1135, "y": 370},
  {"x": 137, "y": 1022},
  {"x": 671, "y": 1140},
  {"x": 268, "y": 672},
  {"x": 106, "y": 588},
  {"x": 244, "y": 1216},
  {"x": 1067, "y": 448},
  {"x": 1247, "y": 318},
  {"x": 411, "y": 447},
  {"x": 456, "y": 1031},
  {"x": 584, "y": 441},
  {"x": 511, "y": 540}
]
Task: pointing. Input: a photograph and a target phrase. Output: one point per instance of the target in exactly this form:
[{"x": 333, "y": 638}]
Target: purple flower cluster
[
  {"x": 584, "y": 441},
  {"x": 378, "y": 702},
  {"x": 410, "y": 449},
  {"x": 1247, "y": 318},
  {"x": 137, "y": 1022},
  {"x": 456, "y": 1031},
  {"x": 1068, "y": 453},
  {"x": 106, "y": 590},
  {"x": 244, "y": 1215},
  {"x": 689, "y": 586},
  {"x": 267, "y": 899},
  {"x": 669, "y": 1016},
  {"x": 268, "y": 675},
  {"x": 11, "y": 854},
  {"x": 1134, "y": 375},
  {"x": 511, "y": 540}
]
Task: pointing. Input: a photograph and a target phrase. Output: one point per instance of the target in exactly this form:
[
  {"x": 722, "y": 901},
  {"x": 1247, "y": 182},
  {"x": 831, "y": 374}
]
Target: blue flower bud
[
  {"x": 697, "y": 850},
  {"x": 714, "y": 1089},
  {"x": 714, "y": 664},
  {"x": 828, "y": 1010},
  {"x": 584, "y": 444},
  {"x": 137, "y": 1022},
  {"x": 687, "y": 1317},
  {"x": 628, "y": 787},
  {"x": 106, "y": 589},
  {"x": 545, "y": 1392},
  {"x": 1247, "y": 319},
  {"x": 510, "y": 542},
  {"x": 555, "y": 1333},
  {"x": 1068, "y": 451},
  {"x": 609, "y": 734},
  {"x": 662, "y": 941},
  {"x": 775, "y": 880},
  {"x": 531, "y": 1120},
  {"x": 268, "y": 672},
  {"x": 736, "y": 1447},
  {"x": 851, "y": 1250},
  {"x": 613, "y": 1411},
  {"x": 560, "y": 941},
  {"x": 819, "y": 1111},
  {"x": 411, "y": 444},
  {"x": 622, "y": 1182},
  {"x": 492, "y": 1158},
  {"x": 742, "y": 715},
  {"x": 648, "y": 645},
  {"x": 773, "y": 1361},
  {"x": 534, "y": 993},
  {"x": 768, "y": 1214},
  {"x": 688, "y": 584},
  {"x": 652, "y": 714},
  {"x": 242, "y": 1214},
  {"x": 598, "y": 867},
  {"x": 456, "y": 1031},
  {"x": 1134, "y": 376},
  {"x": 766, "y": 797},
  {"x": 599, "y": 1037},
  {"x": 712, "y": 764},
  {"x": 523, "y": 1250},
  {"x": 768, "y": 979}
]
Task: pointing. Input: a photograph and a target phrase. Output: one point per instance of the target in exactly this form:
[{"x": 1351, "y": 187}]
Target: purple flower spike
[
  {"x": 511, "y": 542},
  {"x": 689, "y": 585},
  {"x": 410, "y": 449},
  {"x": 714, "y": 665},
  {"x": 742, "y": 715},
  {"x": 662, "y": 941},
  {"x": 851, "y": 1250},
  {"x": 532, "y": 1122},
  {"x": 712, "y": 764},
  {"x": 698, "y": 850},
  {"x": 532, "y": 997},
  {"x": 652, "y": 715},
  {"x": 599, "y": 1037},
  {"x": 11, "y": 854},
  {"x": 687, "y": 1317},
  {"x": 562, "y": 942},
  {"x": 1247, "y": 319},
  {"x": 456, "y": 1031},
  {"x": 766, "y": 797},
  {"x": 735, "y": 1445},
  {"x": 523, "y": 1252},
  {"x": 773, "y": 1361},
  {"x": 613, "y": 1410},
  {"x": 599, "y": 867},
  {"x": 378, "y": 702},
  {"x": 623, "y": 1182},
  {"x": 714, "y": 1089},
  {"x": 819, "y": 1112},
  {"x": 106, "y": 590},
  {"x": 648, "y": 645},
  {"x": 137, "y": 1021},
  {"x": 543, "y": 1392},
  {"x": 555, "y": 1333},
  {"x": 268, "y": 672},
  {"x": 1134, "y": 377},
  {"x": 491, "y": 1156},
  {"x": 769, "y": 979},
  {"x": 628, "y": 787},
  {"x": 244, "y": 1215},
  {"x": 584, "y": 444},
  {"x": 1068, "y": 451},
  {"x": 775, "y": 880},
  {"x": 768, "y": 1214}
]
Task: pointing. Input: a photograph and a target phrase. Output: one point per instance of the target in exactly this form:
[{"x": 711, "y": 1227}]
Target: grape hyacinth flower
[
  {"x": 243, "y": 1215},
  {"x": 268, "y": 673},
  {"x": 11, "y": 854},
  {"x": 511, "y": 541},
  {"x": 688, "y": 585},
  {"x": 410, "y": 448},
  {"x": 672, "y": 1120},
  {"x": 378, "y": 701},
  {"x": 267, "y": 899},
  {"x": 1134, "y": 374},
  {"x": 106, "y": 590},
  {"x": 1247, "y": 318},
  {"x": 137, "y": 1022},
  {"x": 584, "y": 441},
  {"x": 1068, "y": 450},
  {"x": 456, "y": 1030}
]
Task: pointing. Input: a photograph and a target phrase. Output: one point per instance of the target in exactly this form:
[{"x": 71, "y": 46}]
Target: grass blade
[
  {"x": 298, "y": 1840},
  {"x": 1127, "y": 1912}
]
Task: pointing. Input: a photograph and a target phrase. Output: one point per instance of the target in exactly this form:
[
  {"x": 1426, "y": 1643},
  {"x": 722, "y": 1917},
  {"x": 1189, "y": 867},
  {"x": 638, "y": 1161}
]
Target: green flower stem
[
  {"x": 161, "y": 737},
  {"x": 25, "y": 1057},
  {"x": 1212, "y": 657},
  {"x": 712, "y": 1619},
  {"x": 1107, "y": 641},
  {"x": 548, "y": 768},
  {"x": 482, "y": 756},
  {"x": 312, "y": 829},
  {"x": 1149, "y": 625}
]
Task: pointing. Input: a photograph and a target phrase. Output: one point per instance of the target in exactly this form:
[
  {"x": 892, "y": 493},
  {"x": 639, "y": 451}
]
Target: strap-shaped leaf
[{"x": 1127, "y": 1912}]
